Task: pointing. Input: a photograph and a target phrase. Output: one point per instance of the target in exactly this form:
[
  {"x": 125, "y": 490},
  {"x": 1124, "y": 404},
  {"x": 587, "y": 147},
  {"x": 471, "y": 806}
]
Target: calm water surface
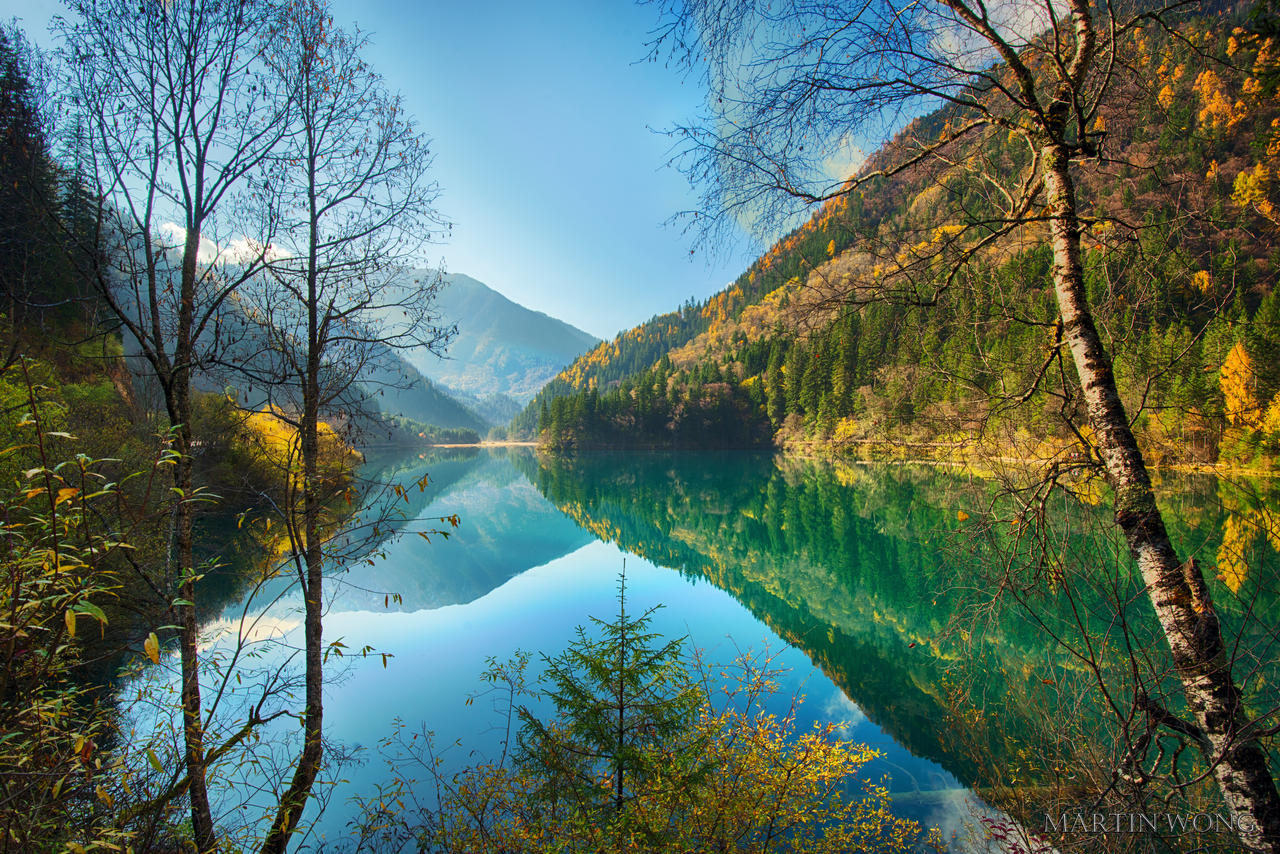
[{"x": 838, "y": 570}]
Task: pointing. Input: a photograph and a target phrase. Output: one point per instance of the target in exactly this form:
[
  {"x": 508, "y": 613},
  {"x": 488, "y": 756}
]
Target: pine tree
[
  {"x": 1264, "y": 342},
  {"x": 616, "y": 696},
  {"x": 775, "y": 394},
  {"x": 796, "y": 362},
  {"x": 27, "y": 192},
  {"x": 817, "y": 376}
]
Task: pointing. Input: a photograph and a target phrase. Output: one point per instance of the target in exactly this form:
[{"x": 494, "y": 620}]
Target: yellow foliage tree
[
  {"x": 1250, "y": 190},
  {"x": 636, "y": 759},
  {"x": 1239, "y": 383},
  {"x": 1271, "y": 421},
  {"x": 1202, "y": 282}
]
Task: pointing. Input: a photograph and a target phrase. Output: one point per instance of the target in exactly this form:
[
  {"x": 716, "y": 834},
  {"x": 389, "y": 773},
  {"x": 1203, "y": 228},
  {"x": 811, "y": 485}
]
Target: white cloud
[
  {"x": 236, "y": 251},
  {"x": 1018, "y": 22},
  {"x": 245, "y": 249},
  {"x": 845, "y": 159}
]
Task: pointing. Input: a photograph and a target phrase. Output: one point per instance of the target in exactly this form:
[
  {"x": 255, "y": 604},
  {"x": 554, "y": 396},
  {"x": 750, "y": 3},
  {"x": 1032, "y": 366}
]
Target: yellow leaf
[
  {"x": 70, "y": 619},
  {"x": 962, "y": 516},
  {"x": 66, "y": 494},
  {"x": 152, "y": 648}
]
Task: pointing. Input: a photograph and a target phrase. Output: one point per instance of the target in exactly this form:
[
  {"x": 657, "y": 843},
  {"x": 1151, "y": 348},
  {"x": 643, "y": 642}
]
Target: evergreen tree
[
  {"x": 775, "y": 393},
  {"x": 796, "y": 363},
  {"x": 27, "y": 192},
  {"x": 1264, "y": 341},
  {"x": 616, "y": 696},
  {"x": 816, "y": 380}
]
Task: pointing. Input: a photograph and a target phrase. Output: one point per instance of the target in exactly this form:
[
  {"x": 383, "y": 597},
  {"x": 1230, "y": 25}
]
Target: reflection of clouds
[
  {"x": 840, "y": 709},
  {"x": 963, "y": 820},
  {"x": 249, "y": 629}
]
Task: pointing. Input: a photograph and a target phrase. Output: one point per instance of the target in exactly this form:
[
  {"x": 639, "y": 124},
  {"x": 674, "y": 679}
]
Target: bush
[
  {"x": 637, "y": 757},
  {"x": 56, "y": 551}
]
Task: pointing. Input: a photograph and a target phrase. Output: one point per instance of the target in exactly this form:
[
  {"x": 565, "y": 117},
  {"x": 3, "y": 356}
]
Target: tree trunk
[
  {"x": 1177, "y": 590},
  {"x": 294, "y": 800},
  {"x": 178, "y": 402}
]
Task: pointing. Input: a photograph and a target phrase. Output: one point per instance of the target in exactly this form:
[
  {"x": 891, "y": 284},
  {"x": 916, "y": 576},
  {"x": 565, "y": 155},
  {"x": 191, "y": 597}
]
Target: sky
[{"x": 544, "y": 119}]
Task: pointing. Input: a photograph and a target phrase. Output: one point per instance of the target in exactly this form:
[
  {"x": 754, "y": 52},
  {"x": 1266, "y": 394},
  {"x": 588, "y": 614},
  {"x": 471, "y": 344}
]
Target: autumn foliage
[
  {"x": 639, "y": 756},
  {"x": 841, "y": 332}
]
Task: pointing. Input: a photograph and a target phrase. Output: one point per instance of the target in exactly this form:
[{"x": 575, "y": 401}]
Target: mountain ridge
[
  {"x": 817, "y": 341},
  {"x": 502, "y": 348}
]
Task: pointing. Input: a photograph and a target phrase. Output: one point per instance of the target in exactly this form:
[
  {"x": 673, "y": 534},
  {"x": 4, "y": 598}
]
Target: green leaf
[{"x": 92, "y": 610}]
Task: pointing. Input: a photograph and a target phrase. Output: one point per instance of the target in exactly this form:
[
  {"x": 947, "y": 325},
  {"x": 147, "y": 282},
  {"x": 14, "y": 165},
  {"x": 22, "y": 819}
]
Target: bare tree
[
  {"x": 350, "y": 203},
  {"x": 796, "y": 84},
  {"x": 180, "y": 113}
]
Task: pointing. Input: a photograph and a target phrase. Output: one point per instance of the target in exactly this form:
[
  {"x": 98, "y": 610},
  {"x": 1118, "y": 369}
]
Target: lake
[{"x": 863, "y": 580}]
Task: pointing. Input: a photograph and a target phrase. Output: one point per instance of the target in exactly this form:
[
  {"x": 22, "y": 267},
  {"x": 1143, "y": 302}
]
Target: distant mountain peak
[{"x": 502, "y": 348}]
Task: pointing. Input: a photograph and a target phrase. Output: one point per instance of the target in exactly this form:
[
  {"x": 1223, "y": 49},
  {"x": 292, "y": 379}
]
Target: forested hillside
[
  {"x": 893, "y": 315},
  {"x": 167, "y": 410}
]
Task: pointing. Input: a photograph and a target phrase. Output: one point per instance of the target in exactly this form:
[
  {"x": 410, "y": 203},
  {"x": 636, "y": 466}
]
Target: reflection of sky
[{"x": 437, "y": 656}]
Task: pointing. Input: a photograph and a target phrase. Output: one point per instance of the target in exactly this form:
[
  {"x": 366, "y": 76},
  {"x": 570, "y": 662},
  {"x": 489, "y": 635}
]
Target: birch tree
[
  {"x": 180, "y": 114},
  {"x": 796, "y": 85},
  {"x": 350, "y": 204}
]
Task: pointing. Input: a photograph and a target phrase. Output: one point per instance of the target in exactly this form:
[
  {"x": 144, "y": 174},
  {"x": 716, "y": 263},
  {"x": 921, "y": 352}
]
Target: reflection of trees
[
  {"x": 245, "y": 550},
  {"x": 1250, "y": 521},
  {"x": 866, "y": 569},
  {"x": 834, "y": 570},
  {"x": 506, "y": 527}
]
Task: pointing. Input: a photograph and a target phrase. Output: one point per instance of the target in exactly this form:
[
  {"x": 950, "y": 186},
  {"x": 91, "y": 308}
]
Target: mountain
[
  {"x": 850, "y": 332},
  {"x": 503, "y": 352},
  {"x": 389, "y": 386},
  {"x": 418, "y": 398}
]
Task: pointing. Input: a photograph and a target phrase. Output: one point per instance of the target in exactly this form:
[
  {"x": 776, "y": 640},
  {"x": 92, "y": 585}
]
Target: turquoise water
[{"x": 847, "y": 575}]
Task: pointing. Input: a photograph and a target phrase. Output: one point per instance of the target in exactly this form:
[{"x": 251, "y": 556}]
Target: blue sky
[{"x": 543, "y": 117}]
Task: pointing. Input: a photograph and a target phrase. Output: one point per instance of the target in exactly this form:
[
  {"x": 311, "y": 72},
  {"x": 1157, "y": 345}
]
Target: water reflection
[{"x": 851, "y": 573}]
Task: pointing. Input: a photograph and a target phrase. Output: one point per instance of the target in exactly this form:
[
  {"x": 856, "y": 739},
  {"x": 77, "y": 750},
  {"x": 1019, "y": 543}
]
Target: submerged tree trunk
[{"x": 1177, "y": 590}]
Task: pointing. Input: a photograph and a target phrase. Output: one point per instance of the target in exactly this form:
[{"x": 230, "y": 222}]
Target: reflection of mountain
[
  {"x": 506, "y": 528},
  {"x": 810, "y": 567},
  {"x": 857, "y": 566}
]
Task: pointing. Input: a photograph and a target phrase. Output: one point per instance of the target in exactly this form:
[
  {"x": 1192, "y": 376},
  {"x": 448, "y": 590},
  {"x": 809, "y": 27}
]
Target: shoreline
[
  {"x": 895, "y": 453},
  {"x": 486, "y": 444}
]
